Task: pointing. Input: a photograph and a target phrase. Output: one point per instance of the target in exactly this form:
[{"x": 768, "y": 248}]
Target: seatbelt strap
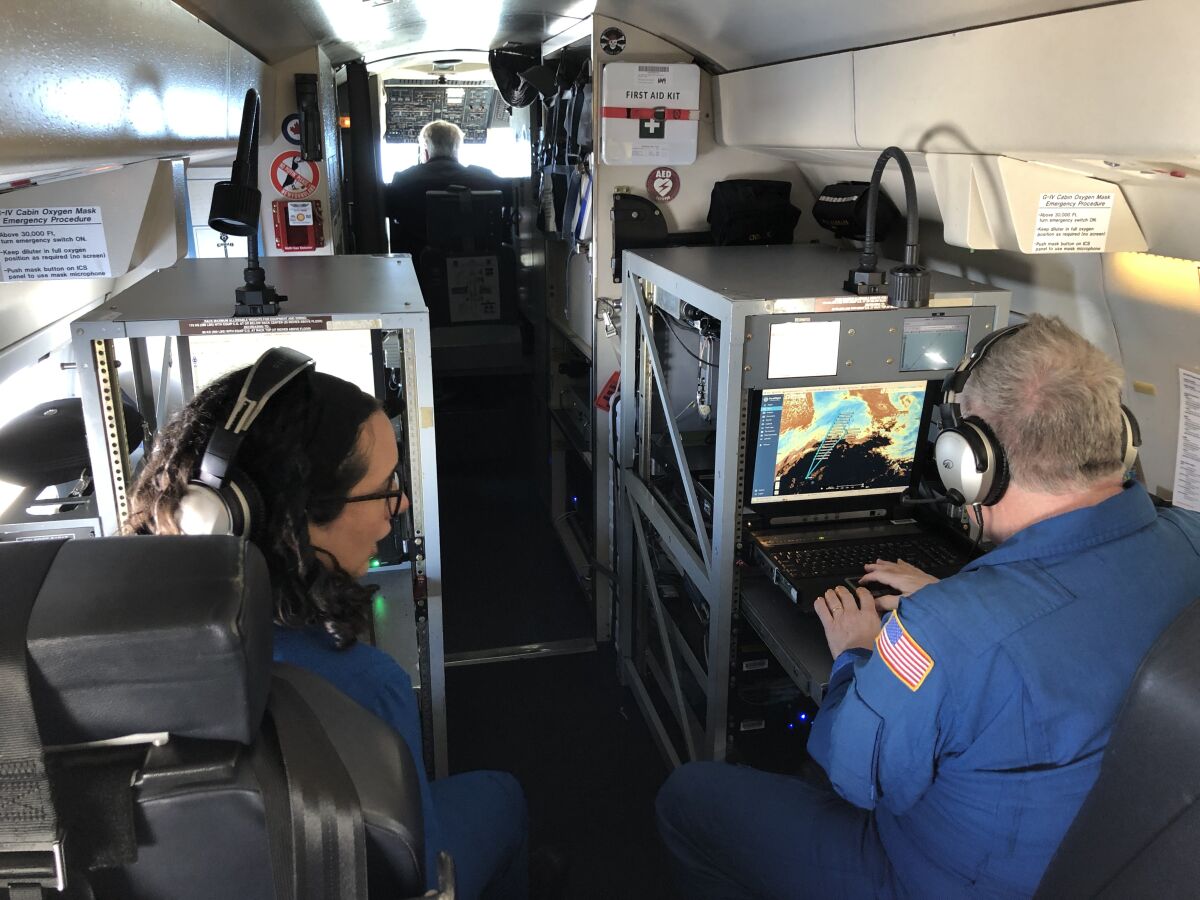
[
  {"x": 272, "y": 784},
  {"x": 31, "y": 844},
  {"x": 328, "y": 838}
]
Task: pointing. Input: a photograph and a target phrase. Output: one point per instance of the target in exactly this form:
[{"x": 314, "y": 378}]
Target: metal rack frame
[{"x": 742, "y": 288}]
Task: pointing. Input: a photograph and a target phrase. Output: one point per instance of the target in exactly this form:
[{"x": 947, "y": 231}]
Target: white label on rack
[{"x": 804, "y": 349}]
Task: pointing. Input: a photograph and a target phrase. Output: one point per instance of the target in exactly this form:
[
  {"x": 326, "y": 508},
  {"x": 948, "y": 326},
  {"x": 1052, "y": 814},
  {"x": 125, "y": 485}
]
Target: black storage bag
[{"x": 752, "y": 211}]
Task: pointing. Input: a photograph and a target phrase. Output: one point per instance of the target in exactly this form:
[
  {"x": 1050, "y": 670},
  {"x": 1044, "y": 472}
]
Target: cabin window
[{"x": 505, "y": 153}]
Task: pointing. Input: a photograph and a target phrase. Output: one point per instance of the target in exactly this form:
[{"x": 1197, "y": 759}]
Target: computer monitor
[
  {"x": 933, "y": 342},
  {"x": 837, "y": 441}
]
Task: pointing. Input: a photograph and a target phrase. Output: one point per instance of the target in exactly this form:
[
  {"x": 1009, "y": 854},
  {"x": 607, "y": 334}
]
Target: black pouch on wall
[
  {"x": 752, "y": 211},
  {"x": 842, "y": 208}
]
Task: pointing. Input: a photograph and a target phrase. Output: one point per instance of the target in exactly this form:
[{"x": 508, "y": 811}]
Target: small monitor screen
[
  {"x": 846, "y": 440},
  {"x": 933, "y": 342}
]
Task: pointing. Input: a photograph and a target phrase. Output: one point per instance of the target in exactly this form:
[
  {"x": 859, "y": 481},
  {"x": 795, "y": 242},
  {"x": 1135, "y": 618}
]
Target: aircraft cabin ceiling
[
  {"x": 731, "y": 34},
  {"x": 735, "y": 34},
  {"x": 381, "y": 29}
]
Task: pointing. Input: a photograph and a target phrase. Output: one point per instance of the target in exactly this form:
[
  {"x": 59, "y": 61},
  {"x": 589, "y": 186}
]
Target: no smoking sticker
[
  {"x": 293, "y": 177},
  {"x": 663, "y": 184}
]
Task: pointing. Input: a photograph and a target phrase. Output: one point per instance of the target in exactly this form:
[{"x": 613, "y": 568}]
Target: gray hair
[
  {"x": 441, "y": 138},
  {"x": 1054, "y": 403}
]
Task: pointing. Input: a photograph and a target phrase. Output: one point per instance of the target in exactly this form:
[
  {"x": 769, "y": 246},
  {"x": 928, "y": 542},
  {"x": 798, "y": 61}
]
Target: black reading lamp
[
  {"x": 907, "y": 285},
  {"x": 234, "y": 210}
]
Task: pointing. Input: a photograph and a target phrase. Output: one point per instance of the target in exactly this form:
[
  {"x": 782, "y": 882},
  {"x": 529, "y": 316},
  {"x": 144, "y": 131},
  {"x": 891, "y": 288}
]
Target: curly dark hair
[{"x": 299, "y": 452}]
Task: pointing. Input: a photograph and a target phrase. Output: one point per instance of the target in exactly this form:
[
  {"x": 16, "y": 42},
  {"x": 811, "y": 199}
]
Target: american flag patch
[{"x": 903, "y": 655}]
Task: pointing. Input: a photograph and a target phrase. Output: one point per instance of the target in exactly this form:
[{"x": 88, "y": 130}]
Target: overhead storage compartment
[
  {"x": 1086, "y": 102},
  {"x": 997, "y": 203}
]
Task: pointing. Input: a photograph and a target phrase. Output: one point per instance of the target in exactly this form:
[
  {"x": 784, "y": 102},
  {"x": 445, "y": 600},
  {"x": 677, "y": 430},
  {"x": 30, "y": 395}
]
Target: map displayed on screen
[{"x": 849, "y": 439}]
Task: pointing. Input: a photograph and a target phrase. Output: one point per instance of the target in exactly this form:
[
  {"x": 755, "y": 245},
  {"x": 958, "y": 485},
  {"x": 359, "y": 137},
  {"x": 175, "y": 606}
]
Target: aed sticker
[
  {"x": 300, "y": 213},
  {"x": 663, "y": 184},
  {"x": 612, "y": 41},
  {"x": 291, "y": 129},
  {"x": 293, "y": 177}
]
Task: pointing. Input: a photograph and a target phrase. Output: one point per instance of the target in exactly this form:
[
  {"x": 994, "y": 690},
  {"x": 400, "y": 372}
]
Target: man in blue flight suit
[{"x": 962, "y": 732}]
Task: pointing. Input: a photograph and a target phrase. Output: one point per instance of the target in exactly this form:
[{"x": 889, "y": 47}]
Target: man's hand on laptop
[
  {"x": 850, "y": 620},
  {"x": 904, "y": 578}
]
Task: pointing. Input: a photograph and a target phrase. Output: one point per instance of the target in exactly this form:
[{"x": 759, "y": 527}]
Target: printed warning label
[
  {"x": 300, "y": 213},
  {"x": 50, "y": 243},
  {"x": 473, "y": 283},
  {"x": 1072, "y": 223},
  {"x": 253, "y": 325}
]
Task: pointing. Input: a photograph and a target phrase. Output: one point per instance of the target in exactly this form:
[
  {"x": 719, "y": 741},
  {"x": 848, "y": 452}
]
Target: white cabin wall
[
  {"x": 687, "y": 212},
  {"x": 142, "y": 206},
  {"x": 735, "y": 34},
  {"x": 272, "y": 144},
  {"x": 100, "y": 82},
  {"x": 1096, "y": 92},
  {"x": 97, "y": 93},
  {"x": 715, "y": 161},
  {"x": 1155, "y": 302}
]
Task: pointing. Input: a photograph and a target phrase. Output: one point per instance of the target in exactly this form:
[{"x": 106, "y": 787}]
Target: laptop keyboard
[{"x": 928, "y": 554}]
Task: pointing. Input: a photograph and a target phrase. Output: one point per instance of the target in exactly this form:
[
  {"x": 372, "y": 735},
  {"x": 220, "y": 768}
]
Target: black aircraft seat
[
  {"x": 1138, "y": 831},
  {"x": 142, "y": 636}
]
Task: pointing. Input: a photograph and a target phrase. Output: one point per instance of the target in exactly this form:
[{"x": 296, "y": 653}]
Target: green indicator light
[{"x": 374, "y": 563}]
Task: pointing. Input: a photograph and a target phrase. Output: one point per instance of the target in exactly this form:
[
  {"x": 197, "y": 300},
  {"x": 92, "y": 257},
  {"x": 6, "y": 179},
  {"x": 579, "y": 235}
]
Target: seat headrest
[{"x": 132, "y": 635}]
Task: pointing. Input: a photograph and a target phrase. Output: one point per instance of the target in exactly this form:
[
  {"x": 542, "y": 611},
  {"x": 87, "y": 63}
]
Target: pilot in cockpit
[{"x": 404, "y": 199}]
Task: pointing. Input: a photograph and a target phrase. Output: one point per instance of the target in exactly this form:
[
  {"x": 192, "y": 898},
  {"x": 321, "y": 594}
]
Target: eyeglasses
[{"x": 393, "y": 495}]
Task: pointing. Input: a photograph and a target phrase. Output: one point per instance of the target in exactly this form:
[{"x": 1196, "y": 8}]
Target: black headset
[
  {"x": 970, "y": 459},
  {"x": 221, "y": 499}
]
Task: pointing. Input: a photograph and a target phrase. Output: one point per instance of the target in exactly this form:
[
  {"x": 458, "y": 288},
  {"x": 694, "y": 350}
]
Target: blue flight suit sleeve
[{"x": 875, "y": 736}]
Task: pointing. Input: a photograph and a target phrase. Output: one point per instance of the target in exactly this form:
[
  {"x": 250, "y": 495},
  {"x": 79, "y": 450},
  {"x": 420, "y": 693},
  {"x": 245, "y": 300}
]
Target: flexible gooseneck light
[
  {"x": 234, "y": 210},
  {"x": 908, "y": 284}
]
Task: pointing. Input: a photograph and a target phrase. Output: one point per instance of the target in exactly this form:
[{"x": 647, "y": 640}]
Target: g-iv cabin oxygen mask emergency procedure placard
[
  {"x": 50, "y": 243},
  {"x": 650, "y": 113}
]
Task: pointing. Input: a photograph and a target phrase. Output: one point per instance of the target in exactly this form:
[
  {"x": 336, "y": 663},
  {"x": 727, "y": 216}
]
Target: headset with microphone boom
[
  {"x": 971, "y": 461},
  {"x": 221, "y": 499}
]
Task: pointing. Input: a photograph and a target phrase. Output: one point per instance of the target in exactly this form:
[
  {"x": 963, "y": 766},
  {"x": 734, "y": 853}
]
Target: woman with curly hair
[{"x": 323, "y": 457}]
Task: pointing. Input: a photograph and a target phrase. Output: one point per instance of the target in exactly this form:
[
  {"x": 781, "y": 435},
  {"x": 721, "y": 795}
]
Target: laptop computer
[{"x": 828, "y": 468}]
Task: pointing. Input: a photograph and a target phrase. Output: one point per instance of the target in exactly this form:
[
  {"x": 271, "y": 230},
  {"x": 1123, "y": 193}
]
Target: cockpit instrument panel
[{"x": 413, "y": 103}]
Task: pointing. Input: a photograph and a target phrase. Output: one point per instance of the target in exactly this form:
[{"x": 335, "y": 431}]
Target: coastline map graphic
[{"x": 847, "y": 438}]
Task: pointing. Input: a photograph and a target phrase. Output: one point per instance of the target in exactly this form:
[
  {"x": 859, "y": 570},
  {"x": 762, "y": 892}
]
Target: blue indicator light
[
  {"x": 791, "y": 725},
  {"x": 803, "y": 717}
]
